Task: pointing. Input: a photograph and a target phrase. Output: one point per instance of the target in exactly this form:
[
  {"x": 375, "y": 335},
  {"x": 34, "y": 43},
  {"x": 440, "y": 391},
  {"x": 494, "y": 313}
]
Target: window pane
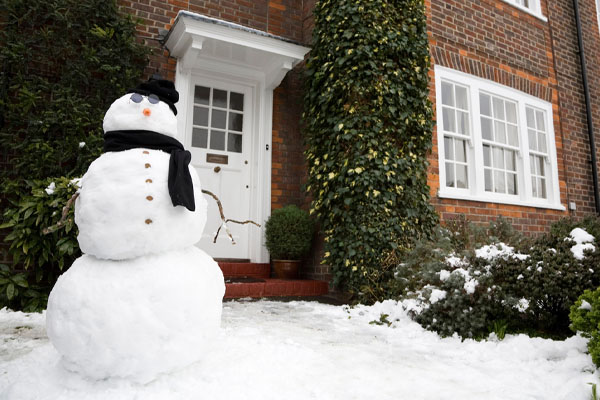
[
  {"x": 509, "y": 158},
  {"x": 236, "y": 121},
  {"x": 539, "y": 117},
  {"x": 217, "y": 140},
  {"x": 449, "y": 122},
  {"x": 540, "y": 166},
  {"x": 201, "y": 116},
  {"x": 511, "y": 183},
  {"x": 499, "y": 184},
  {"x": 487, "y": 156},
  {"x": 500, "y": 131},
  {"x": 513, "y": 135},
  {"x": 447, "y": 94},
  {"x": 533, "y": 165},
  {"x": 543, "y": 189},
  {"x": 530, "y": 118},
  {"x": 201, "y": 95},
  {"x": 542, "y": 143},
  {"x": 463, "y": 123},
  {"x": 532, "y": 140},
  {"x": 534, "y": 190},
  {"x": 485, "y": 107},
  {"x": 236, "y": 101},
  {"x": 219, "y": 98},
  {"x": 498, "y": 158},
  {"x": 449, "y": 175},
  {"x": 234, "y": 142},
  {"x": 448, "y": 148},
  {"x": 461, "y": 177},
  {"x": 488, "y": 180},
  {"x": 498, "y": 108},
  {"x": 460, "y": 154},
  {"x": 200, "y": 138},
  {"x": 462, "y": 100},
  {"x": 218, "y": 119},
  {"x": 511, "y": 112},
  {"x": 486, "y": 128}
]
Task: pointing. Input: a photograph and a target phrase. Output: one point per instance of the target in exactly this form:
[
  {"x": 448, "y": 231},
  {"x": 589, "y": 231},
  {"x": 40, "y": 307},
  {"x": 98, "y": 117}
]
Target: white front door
[{"x": 219, "y": 136}]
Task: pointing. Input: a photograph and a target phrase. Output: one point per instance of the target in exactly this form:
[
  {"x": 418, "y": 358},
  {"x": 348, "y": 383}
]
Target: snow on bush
[
  {"x": 583, "y": 241},
  {"x": 527, "y": 284}
]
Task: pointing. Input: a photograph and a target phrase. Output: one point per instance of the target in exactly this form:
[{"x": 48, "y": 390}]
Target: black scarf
[{"x": 181, "y": 188}]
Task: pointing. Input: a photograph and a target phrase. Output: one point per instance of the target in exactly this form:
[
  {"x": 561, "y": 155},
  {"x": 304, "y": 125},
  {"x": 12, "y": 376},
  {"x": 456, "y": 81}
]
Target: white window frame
[
  {"x": 476, "y": 190},
  {"x": 598, "y": 12},
  {"x": 534, "y": 8}
]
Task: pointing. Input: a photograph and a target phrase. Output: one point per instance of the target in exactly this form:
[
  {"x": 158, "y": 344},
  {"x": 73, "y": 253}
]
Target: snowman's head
[{"x": 148, "y": 107}]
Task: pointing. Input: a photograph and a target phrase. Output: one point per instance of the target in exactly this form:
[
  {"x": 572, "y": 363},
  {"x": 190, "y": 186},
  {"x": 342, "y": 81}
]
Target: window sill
[
  {"x": 527, "y": 10},
  {"x": 496, "y": 200}
]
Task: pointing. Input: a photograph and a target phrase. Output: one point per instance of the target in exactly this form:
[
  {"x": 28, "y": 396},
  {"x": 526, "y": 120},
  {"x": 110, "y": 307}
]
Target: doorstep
[
  {"x": 245, "y": 279},
  {"x": 275, "y": 288}
]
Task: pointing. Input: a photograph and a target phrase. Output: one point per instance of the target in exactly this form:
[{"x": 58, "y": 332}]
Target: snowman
[{"x": 142, "y": 300}]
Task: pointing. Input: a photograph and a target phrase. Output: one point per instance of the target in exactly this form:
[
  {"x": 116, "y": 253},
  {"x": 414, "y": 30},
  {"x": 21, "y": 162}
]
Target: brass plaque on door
[{"x": 217, "y": 158}]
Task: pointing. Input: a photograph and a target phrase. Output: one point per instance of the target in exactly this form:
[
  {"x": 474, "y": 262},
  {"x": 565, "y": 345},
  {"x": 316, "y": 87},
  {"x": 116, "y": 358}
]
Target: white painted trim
[
  {"x": 208, "y": 50},
  {"x": 536, "y": 11},
  {"x": 476, "y": 190}
]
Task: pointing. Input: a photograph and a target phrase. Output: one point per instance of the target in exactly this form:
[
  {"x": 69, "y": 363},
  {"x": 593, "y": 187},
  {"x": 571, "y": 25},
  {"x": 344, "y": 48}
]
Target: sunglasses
[{"x": 137, "y": 98}]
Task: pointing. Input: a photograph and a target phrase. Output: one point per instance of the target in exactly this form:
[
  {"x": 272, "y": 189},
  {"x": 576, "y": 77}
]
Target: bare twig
[
  {"x": 225, "y": 221},
  {"x": 63, "y": 219}
]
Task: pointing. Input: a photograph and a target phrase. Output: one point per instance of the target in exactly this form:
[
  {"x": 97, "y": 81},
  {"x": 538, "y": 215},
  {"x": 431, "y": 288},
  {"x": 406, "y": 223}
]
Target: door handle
[{"x": 217, "y": 169}]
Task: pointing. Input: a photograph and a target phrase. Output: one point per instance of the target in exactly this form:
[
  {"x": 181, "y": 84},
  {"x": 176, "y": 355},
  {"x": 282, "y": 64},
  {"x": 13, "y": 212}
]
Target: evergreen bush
[
  {"x": 288, "y": 233},
  {"x": 368, "y": 128},
  {"x": 63, "y": 63},
  {"x": 528, "y": 285},
  {"x": 585, "y": 319}
]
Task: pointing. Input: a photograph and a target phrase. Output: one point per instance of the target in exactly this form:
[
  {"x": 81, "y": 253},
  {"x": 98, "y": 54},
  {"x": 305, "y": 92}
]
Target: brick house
[{"x": 506, "y": 83}]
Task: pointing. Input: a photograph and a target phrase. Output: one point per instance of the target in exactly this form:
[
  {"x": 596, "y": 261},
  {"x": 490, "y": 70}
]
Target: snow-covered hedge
[
  {"x": 523, "y": 285},
  {"x": 585, "y": 319}
]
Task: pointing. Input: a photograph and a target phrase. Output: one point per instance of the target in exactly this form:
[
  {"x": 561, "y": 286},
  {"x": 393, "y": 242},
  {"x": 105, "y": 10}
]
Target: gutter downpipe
[{"x": 588, "y": 105}]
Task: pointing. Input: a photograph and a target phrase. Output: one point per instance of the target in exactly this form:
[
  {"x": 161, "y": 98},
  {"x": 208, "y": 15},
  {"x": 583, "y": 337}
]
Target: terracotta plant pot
[{"x": 286, "y": 269}]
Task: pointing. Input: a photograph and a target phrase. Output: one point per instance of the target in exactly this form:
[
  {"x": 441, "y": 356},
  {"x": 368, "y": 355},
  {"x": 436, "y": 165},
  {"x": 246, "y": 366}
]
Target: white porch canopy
[{"x": 222, "y": 53}]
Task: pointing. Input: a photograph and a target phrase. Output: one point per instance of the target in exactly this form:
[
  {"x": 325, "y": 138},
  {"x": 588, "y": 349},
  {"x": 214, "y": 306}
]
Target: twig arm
[
  {"x": 63, "y": 219},
  {"x": 225, "y": 221}
]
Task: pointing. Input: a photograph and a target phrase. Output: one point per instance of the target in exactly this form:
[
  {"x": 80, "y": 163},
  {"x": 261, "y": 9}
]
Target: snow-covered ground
[{"x": 307, "y": 350}]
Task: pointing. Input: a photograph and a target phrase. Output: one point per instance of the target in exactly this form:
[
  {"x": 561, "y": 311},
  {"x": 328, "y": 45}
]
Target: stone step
[
  {"x": 245, "y": 269},
  {"x": 256, "y": 288}
]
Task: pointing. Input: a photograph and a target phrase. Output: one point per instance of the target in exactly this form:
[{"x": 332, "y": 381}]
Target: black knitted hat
[{"x": 162, "y": 88}]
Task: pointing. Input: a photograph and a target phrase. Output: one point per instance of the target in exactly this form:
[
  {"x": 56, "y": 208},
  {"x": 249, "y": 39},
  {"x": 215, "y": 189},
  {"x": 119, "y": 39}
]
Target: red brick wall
[
  {"x": 571, "y": 96},
  {"x": 494, "y": 40}
]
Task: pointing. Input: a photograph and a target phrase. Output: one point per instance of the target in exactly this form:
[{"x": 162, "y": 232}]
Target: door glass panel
[
  {"x": 236, "y": 101},
  {"x": 236, "y": 121},
  {"x": 234, "y": 142},
  {"x": 221, "y": 112},
  {"x": 218, "y": 119},
  {"x": 219, "y": 98},
  {"x": 202, "y": 95},
  {"x": 217, "y": 140},
  {"x": 200, "y": 138},
  {"x": 201, "y": 116}
]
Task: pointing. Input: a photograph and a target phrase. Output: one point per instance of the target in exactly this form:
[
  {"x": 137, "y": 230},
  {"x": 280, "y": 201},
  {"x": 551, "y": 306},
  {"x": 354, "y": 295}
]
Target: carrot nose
[{"x": 147, "y": 112}]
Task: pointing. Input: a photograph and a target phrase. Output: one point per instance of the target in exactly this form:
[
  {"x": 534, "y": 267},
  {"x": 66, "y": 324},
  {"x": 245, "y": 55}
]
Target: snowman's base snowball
[{"x": 136, "y": 318}]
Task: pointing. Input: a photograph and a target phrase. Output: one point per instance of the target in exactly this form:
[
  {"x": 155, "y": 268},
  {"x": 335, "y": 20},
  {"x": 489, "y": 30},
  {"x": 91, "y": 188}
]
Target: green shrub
[
  {"x": 38, "y": 258},
  {"x": 288, "y": 232},
  {"x": 528, "y": 286},
  {"x": 368, "y": 128},
  {"x": 585, "y": 319},
  {"x": 63, "y": 63}
]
